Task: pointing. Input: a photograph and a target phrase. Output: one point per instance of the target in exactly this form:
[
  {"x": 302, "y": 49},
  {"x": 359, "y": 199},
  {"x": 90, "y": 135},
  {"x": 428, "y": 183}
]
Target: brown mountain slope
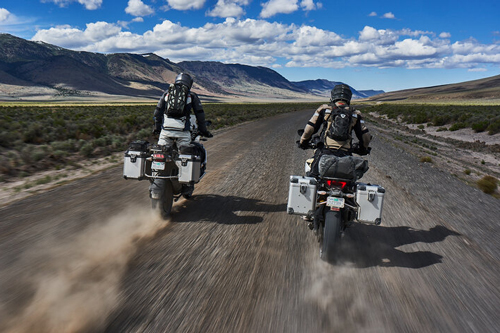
[{"x": 484, "y": 89}]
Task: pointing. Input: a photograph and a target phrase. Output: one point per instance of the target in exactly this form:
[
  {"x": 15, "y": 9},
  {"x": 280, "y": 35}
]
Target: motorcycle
[
  {"x": 172, "y": 172},
  {"x": 331, "y": 202}
]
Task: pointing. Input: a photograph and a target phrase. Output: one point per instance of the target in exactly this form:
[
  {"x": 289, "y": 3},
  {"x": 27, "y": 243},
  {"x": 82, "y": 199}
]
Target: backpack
[
  {"x": 340, "y": 124},
  {"x": 176, "y": 100}
]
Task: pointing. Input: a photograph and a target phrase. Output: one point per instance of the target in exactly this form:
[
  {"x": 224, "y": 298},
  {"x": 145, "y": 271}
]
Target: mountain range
[{"x": 37, "y": 70}]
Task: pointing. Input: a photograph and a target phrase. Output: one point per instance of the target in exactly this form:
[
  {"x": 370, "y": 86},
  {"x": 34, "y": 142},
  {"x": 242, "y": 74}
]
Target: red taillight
[
  {"x": 158, "y": 157},
  {"x": 336, "y": 183}
]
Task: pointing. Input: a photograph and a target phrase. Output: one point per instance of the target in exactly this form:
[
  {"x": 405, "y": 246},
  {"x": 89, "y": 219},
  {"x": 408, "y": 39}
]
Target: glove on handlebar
[
  {"x": 360, "y": 150},
  {"x": 304, "y": 145}
]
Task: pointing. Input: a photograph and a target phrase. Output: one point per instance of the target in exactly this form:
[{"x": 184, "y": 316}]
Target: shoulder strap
[{"x": 325, "y": 125}]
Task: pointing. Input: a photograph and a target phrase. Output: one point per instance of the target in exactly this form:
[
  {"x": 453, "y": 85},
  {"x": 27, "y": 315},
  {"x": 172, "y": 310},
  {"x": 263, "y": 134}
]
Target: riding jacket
[
  {"x": 322, "y": 116},
  {"x": 180, "y": 124}
]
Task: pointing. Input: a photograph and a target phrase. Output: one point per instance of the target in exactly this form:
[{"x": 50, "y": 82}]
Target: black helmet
[
  {"x": 341, "y": 92},
  {"x": 184, "y": 79}
]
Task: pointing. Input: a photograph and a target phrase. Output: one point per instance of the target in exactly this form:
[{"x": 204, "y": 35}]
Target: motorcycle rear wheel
[
  {"x": 330, "y": 243},
  {"x": 163, "y": 206}
]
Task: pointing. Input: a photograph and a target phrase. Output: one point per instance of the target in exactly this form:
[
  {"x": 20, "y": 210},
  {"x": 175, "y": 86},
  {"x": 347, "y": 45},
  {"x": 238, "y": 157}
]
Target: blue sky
[{"x": 388, "y": 45}]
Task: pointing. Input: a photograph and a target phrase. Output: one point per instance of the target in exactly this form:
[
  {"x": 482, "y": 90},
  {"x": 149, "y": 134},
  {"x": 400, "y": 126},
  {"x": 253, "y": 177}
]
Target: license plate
[
  {"x": 335, "y": 202},
  {"x": 158, "y": 165}
]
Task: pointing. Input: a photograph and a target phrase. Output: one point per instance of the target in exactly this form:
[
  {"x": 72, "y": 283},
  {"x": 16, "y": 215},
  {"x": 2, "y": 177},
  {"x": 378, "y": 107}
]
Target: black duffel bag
[{"x": 346, "y": 167}]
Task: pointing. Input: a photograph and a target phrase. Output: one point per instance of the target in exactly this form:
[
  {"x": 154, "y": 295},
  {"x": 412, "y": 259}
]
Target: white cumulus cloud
[
  {"x": 228, "y": 8},
  {"x": 186, "y": 4},
  {"x": 89, "y": 4},
  {"x": 309, "y": 5},
  {"x": 4, "y": 14},
  {"x": 273, "y": 7},
  {"x": 389, "y": 16},
  {"x": 138, "y": 8},
  {"x": 263, "y": 43},
  {"x": 445, "y": 35}
]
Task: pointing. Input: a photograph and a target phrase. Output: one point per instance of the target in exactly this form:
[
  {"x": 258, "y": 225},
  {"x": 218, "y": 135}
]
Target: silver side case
[
  {"x": 134, "y": 165},
  {"x": 189, "y": 168},
  {"x": 370, "y": 199},
  {"x": 302, "y": 195}
]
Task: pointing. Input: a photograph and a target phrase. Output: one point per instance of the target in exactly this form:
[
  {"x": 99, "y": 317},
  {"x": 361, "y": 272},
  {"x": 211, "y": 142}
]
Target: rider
[
  {"x": 178, "y": 129},
  {"x": 340, "y": 101}
]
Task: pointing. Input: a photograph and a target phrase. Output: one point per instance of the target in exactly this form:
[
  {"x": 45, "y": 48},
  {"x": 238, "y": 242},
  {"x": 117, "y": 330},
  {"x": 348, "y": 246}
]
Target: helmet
[
  {"x": 184, "y": 79},
  {"x": 341, "y": 92}
]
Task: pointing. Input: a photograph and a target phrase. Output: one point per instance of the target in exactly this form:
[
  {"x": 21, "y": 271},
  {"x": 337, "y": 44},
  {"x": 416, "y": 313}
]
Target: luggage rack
[{"x": 161, "y": 177}]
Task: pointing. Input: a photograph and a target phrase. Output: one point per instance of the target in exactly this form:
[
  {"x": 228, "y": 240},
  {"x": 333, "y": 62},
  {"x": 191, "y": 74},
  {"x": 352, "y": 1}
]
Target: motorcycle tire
[
  {"x": 163, "y": 206},
  {"x": 330, "y": 244}
]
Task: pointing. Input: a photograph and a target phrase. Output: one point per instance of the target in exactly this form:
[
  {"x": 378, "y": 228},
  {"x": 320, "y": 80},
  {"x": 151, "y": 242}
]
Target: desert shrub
[
  {"x": 462, "y": 118},
  {"x": 5, "y": 165},
  {"x": 480, "y": 126},
  {"x": 144, "y": 134},
  {"x": 69, "y": 145},
  {"x": 426, "y": 159},
  {"x": 33, "y": 133},
  {"x": 45, "y": 180},
  {"x": 38, "y": 154},
  {"x": 467, "y": 172},
  {"x": 60, "y": 154},
  {"x": 458, "y": 126},
  {"x": 421, "y": 127},
  {"x": 7, "y": 138},
  {"x": 494, "y": 127},
  {"x": 487, "y": 184},
  {"x": 440, "y": 120},
  {"x": 441, "y": 129},
  {"x": 87, "y": 149}
]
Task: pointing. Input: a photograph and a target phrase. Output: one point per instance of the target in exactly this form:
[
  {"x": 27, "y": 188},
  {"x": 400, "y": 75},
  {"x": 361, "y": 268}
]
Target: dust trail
[
  {"x": 345, "y": 304},
  {"x": 77, "y": 284}
]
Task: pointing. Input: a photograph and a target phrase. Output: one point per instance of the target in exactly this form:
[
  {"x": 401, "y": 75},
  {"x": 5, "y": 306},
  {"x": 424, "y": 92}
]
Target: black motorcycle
[
  {"x": 172, "y": 172},
  {"x": 331, "y": 201}
]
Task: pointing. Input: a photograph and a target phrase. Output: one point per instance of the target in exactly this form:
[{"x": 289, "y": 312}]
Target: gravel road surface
[{"x": 91, "y": 257}]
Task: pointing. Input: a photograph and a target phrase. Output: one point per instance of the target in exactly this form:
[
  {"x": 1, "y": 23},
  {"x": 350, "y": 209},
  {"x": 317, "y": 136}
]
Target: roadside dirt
[
  {"x": 463, "y": 153},
  {"x": 89, "y": 256}
]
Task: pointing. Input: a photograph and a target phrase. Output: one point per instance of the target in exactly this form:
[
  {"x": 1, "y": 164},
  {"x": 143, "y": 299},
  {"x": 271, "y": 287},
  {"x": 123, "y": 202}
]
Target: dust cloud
[
  {"x": 336, "y": 292},
  {"x": 77, "y": 282}
]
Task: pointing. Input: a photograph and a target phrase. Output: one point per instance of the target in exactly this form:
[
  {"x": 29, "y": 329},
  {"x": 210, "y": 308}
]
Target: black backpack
[
  {"x": 176, "y": 100},
  {"x": 340, "y": 128}
]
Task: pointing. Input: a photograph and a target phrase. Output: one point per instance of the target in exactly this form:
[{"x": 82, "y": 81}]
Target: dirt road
[{"x": 90, "y": 257}]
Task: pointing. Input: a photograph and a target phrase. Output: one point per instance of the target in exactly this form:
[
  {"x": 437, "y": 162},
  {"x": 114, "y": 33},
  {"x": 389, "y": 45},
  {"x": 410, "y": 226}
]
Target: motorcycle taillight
[
  {"x": 336, "y": 183},
  {"x": 158, "y": 157}
]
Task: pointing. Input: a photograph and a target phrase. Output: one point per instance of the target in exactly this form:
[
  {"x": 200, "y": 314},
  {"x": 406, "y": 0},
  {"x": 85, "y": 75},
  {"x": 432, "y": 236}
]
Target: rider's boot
[{"x": 187, "y": 191}]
